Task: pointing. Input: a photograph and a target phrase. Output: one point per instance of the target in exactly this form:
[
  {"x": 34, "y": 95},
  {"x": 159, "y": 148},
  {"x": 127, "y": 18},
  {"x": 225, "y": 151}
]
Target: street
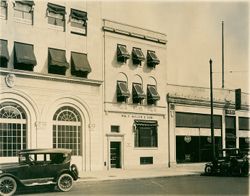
[{"x": 189, "y": 185}]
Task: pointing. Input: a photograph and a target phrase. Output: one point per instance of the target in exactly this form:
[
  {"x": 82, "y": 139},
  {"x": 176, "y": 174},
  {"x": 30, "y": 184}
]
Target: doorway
[{"x": 115, "y": 154}]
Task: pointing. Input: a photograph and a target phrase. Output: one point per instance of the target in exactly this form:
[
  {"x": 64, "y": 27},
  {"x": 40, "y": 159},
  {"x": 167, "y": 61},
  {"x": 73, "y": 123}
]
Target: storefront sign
[
  {"x": 187, "y": 139},
  {"x": 136, "y": 116},
  {"x": 230, "y": 112}
]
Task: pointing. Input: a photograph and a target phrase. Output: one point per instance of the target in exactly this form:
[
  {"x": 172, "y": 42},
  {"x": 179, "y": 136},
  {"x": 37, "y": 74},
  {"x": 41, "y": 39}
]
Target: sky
[{"x": 194, "y": 35}]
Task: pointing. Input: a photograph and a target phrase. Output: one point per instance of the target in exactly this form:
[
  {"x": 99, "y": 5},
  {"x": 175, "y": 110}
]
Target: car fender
[{"x": 65, "y": 171}]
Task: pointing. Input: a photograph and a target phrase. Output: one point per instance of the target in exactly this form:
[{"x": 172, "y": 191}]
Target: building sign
[
  {"x": 187, "y": 139},
  {"x": 137, "y": 116},
  {"x": 230, "y": 112}
]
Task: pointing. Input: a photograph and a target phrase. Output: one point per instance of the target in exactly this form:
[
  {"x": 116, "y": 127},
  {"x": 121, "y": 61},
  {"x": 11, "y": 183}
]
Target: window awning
[
  {"x": 24, "y": 54},
  {"x": 152, "y": 58},
  {"x": 80, "y": 62},
  {"x": 137, "y": 54},
  {"x": 57, "y": 9},
  {"x": 57, "y": 58},
  {"x": 122, "y": 51},
  {"x": 138, "y": 91},
  {"x": 146, "y": 123},
  {"x": 30, "y": 3},
  {"x": 79, "y": 15},
  {"x": 152, "y": 93},
  {"x": 3, "y": 3},
  {"x": 122, "y": 89},
  {"x": 4, "y": 53}
]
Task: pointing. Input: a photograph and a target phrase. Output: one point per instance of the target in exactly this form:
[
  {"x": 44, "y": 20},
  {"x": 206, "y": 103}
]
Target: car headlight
[{"x": 1, "y": 171}]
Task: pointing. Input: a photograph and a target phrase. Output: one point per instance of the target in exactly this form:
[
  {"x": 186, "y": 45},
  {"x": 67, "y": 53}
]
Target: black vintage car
[
  {"x": 38, "y": 167},
  {"x": 229, "y": 162}
]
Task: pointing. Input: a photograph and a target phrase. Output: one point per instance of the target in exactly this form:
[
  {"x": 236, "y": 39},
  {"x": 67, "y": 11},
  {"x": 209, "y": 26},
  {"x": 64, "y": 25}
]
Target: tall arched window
[
  {"x": 13, "y": 133},
  {"x": 67, "y": 129}
]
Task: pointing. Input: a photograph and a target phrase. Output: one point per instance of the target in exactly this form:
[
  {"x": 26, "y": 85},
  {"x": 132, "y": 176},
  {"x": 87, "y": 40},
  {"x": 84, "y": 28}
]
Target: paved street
[{"x": 190, "y": 185}]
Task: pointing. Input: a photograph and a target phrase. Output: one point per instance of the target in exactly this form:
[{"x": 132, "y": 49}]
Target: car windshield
[{"x": 229, "y": 152}]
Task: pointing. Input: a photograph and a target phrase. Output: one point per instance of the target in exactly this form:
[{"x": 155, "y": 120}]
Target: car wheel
[
  {"x": 65, "y": 182},
  {"x": 8, "y": 186},
  {"x": 208, "y": 170}
]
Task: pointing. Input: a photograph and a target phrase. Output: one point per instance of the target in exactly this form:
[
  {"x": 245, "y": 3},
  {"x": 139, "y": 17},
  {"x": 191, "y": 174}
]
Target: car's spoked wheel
[
  {"x": 208, "y": 170},
  {"x": 8, "y": 186},
  {"x": 65, "y": 182}
]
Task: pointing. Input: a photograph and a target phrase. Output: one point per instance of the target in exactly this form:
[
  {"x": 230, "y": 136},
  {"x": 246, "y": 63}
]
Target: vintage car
[
  {"x": 229, "y": 162},
  {"x": 38, "y": 167}
]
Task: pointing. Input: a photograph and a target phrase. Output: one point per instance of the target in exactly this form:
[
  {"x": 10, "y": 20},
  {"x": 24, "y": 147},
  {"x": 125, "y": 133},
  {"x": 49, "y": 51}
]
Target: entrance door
[{"x": 115, "y": 154}]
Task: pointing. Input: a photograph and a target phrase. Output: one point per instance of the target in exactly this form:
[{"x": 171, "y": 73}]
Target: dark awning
[
  {"x": 146, "y": 123},
  {"x": 122, "y": 51},
  {"x": 152, "y": 93},
  {"x": 30, "y": 3},
  {"x": 24, "y": 54},
  {"x": 122, "y": 89},
  {"x": 80, "y": 62},
  {"x": 57, "y": 9},
  {"x": 152, "y": 58},
  {"x": 137, "y": 54},
  {"x": 4, "y": 53},
  {"x": 57, "y": 58},
  {"x": 138, "y": 91},
  {"x": 3, "y": 3},
  {"x": 79, "y": 15}
]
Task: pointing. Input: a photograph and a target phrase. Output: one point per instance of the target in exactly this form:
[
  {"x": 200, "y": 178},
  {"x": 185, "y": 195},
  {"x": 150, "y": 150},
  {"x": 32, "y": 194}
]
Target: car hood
[{"x": 9, "y": 166}]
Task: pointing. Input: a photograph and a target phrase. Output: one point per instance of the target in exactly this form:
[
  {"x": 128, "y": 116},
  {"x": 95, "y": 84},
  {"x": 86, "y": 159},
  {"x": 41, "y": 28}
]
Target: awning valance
[
  {"x": 122, "y": 89},
  {"x": 146, "y": 123},
  {"x": 79, "y": 15},
  {"x": 80, "y": 62},
  {"x": 57, "y": 9},
  {"x": 24, "y": 54},
  {"x": 4, "y": 53},
  {"x": 30, "y": 3},
  {"x": 57, "y": 58}
]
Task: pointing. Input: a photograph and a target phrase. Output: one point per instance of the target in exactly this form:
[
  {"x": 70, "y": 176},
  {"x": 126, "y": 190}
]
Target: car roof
[{"x": 45, "y": 150}]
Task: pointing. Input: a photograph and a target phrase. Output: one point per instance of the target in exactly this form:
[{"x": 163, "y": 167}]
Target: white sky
[{"x": 193, "y": 30}]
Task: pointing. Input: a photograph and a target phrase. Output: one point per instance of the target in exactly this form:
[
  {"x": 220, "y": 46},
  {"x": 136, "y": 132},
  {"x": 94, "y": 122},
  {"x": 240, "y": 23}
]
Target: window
[
  {"x": 4, "y": 53},
  {"x": 138, "y": 94},
  {"x": 78, "y": 21},
  {"x": 146, "y": 133},
  {"x": 23, "y": 11},
  {"x": 67, "y": 130},
  {"x": 24, "y": 57},
  {"x": 115, "y": 129},
  {"x": 13, "y": 133},
  {"x": 122, "y": 91},
  {"x": 57, "y": 63},
  {"x": 56, "y": 16},
  {"x": 152, "y": 94},
  {"x": 152, "y": 59},
  {"x": 122, "y": 53},
  {"x": 137, "y": 56},
  {"x": 146, "y": 160},
  {"x": 3, "y": 9},
  {"x": 80, "y": 65},
  {"x": 244, "y": 123}
]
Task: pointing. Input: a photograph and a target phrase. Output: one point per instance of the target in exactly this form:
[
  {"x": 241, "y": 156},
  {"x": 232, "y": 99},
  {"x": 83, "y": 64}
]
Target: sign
[
  {"x": 230, "y": 112},
  {"x": 187, "y": 139}
]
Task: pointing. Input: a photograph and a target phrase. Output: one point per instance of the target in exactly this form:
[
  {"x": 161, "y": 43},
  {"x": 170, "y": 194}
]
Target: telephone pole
[{"x": 212, "y": 110}]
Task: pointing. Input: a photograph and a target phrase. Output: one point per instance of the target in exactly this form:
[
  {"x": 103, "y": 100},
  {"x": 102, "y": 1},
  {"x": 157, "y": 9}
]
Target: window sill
[
  {"x": 55, "y": 27},
  {"x": 23, "y": 21}
]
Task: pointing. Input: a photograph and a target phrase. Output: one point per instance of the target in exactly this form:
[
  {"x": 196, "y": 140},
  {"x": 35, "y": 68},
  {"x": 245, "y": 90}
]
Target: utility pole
[
  {"x": 222, "y": 54},
  {"x": 212, "y": 110}
]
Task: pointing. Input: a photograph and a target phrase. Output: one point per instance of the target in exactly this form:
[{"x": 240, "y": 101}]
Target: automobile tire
[
  {"x": 8, "y": 186},
  {"x": 65, "y": 182},
  {"x": 208, "y": 170}
]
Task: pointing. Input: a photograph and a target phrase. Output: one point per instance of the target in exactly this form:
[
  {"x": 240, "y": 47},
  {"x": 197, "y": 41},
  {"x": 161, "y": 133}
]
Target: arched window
[
  {"x": 13, "y": 129},
  {"x": 67, "y": 129}
]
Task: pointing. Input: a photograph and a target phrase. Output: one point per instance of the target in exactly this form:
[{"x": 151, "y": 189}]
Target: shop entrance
[
  {"x": 115, "y": 154},
  {"x": 230, "y": 132}
]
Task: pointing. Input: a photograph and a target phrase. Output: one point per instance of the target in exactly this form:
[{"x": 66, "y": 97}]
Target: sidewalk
[{"x": 115, "y": 174}]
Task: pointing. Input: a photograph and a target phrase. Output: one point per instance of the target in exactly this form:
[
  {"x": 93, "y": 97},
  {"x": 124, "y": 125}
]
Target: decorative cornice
[{"x": 34, "y": 75}]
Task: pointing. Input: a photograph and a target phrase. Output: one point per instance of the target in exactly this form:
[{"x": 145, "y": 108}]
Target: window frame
[
  {"x": 56, "y": 16},
  {"x": 137, "y": 59},
  {"x": 20, "y": 8},
  {"x": 122, "y": 57},
  {"x": 152, "y": 99},
  {"x": 5, "y": 8},
  {"x": 137, "y": 97},
  {"x": 151, "y": 61},
  {"x": 81, "y": 22},
  {"x": 122, "y": 96}
]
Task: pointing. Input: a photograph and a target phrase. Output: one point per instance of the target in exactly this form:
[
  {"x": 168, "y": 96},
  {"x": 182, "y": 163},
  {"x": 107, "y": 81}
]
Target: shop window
[
  {"x": 122, "y": 53},
  {"x": 80, "y": 65},
  {"x": 13, "y": 129},
  {"x": 122, "y": 92},
  {"x": 56, "y": 16},
  {"x": 244, "y": 123},
  {"x": 137, "y": 56},
  {"x": 3, "y": 9},
  {"x": 152, "y": 94},
  {"x": 115, "y": 129},
  {"x": 23, "y": 11},
  {"x": 24, "y": 57},
  {"x": 4, "y": 53},
  {"x": 138, "y": 94},
  {"x": 57, "y": 63},
  {"x": 78, "y": 21},
  {"x": 146, "y": 133},
  {"x": 152, "y": 59},
  {"x": 146, "y": 160},
  {"x": 67, "y": 129}
]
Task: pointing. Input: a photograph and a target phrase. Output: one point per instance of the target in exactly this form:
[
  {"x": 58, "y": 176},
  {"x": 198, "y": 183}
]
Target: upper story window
[
  {"x": 152, "y": 94},
  {"x": 152, "y": 59},
  {"x": 3, "y": 9},
  {"x": 4, "y": 53},
  {"x": 56, "y": 16},
  {"x": 78, "y": 21},
  {"x": 137, "y": 56},
  {"x": 138, "y": 94},
  {"x": 122, "y": 91},
  {"x": 24, "y": 56},
  {"x": 80, "y": 65},
  {"x": 57, "y": 63},
  {"x": 23, "y": 11},
  {"x": 122, "y": 53}
]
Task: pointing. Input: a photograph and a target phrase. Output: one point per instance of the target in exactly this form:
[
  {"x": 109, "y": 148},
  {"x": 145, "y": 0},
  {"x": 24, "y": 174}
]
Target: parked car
[
  {"x": 229, "y": 162},
  {"x": 38, "y": 167}
]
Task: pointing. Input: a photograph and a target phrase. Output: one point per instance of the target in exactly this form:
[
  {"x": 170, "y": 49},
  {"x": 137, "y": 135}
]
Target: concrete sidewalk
[{"x": 115, "y": 174}]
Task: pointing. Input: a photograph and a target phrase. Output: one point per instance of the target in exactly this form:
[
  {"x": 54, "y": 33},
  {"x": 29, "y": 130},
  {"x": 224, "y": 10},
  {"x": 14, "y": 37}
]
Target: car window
[
  {"x": 31, "y": 157},
  {"x": 40, "y": 157}
]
